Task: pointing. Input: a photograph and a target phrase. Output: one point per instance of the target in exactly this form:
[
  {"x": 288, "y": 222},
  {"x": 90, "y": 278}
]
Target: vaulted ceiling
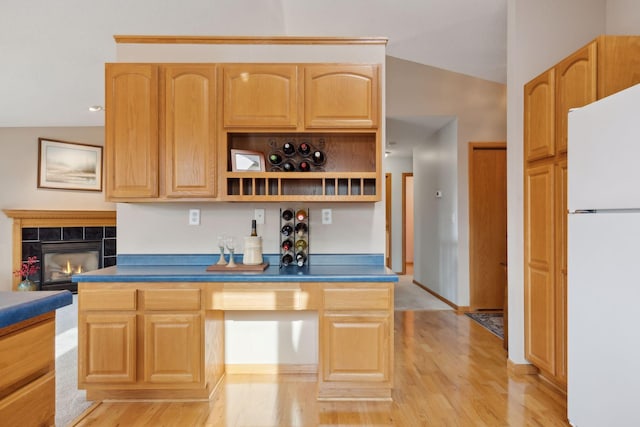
[{"x": 53, "y": 52}]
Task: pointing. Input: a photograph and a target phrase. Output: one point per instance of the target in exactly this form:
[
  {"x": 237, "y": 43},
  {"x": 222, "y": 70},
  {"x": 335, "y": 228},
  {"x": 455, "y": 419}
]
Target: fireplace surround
[{"x": 32, "y": 227}]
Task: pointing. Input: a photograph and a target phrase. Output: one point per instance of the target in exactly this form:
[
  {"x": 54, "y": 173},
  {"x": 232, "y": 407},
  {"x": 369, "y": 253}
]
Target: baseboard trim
[
  {"x": 521, "y": 368},
  {"x": 458, "y": 309}
]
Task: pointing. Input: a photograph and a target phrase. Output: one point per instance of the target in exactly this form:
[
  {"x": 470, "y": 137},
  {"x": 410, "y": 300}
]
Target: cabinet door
[
  {"x": 131, "y": 131},
  {"x": 260, "y": 95},
  {"x": 561, "y": 271},
  {"x": 189, "y": 130},
  {"x": 99, "y": 332},
  {"x": 539, "y": 116},
  {"x": 172, "y": 348},
  {"x": 539, "y": 267},
  {"x": 341, "y": 96},
  {"x": 356, "y": 347},
  {"x": 618, "y": 63},
  {"x": 575, "y": 87}
]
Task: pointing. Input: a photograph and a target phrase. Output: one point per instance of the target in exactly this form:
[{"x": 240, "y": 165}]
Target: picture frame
[
  {"x": 247, "y": 161},
  {"x": 68, "y": 165}
]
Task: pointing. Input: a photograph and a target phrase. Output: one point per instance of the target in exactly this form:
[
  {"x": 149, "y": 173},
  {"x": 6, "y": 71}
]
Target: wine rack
[
  {"x": 348, "y": 171},
  {"x": 294, "y": 237}
]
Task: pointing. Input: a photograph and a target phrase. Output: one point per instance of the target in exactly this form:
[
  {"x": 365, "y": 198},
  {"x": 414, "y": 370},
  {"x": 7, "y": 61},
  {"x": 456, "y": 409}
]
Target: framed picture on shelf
[
  {"x": 247, "y": 161},
  {"x": 69, "y": 165}
]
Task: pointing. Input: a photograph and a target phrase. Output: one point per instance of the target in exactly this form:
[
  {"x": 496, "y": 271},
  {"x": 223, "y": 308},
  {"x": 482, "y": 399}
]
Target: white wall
[
  {"x": 623, "y": 17},
  {"x": 396, "y": 166},
  {"x": 18, "y": 178},
  {"x": 540, "y": 34},
  {"x": 480, "y": 107},
  {"x": 436, "y": 241}
]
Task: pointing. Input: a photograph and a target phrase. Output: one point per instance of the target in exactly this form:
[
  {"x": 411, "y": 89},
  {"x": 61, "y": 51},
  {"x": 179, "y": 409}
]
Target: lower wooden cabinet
[
  {"x": 172, "y": 350},
  {"x": 356, "y": 341},
  {"x": 27, "y": 373},
  {"x": 115, "y": 332},
  {"x": 166, "y": 341}
]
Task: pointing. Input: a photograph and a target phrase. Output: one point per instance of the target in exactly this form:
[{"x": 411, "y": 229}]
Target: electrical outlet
[
  {"x": 194, "y": 216},
  {"x": 258, "y": 215},
  {"x": 326, "y": 216}
]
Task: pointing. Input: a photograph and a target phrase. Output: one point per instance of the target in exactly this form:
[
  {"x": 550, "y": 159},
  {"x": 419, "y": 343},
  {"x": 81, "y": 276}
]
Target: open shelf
[{"x": 349, "y": 173}]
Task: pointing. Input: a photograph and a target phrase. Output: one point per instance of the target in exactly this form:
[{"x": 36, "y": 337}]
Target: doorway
[
  {"x": 487, "y": 225},
  {"x": 387, "y": 227},
  {"x": 407, "y": 223}
]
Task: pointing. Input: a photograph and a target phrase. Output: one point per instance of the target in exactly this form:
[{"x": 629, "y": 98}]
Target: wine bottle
[
  {"x": 304, "y": 149},
  {"x": 287, "y": 230},
  {"x": 288, "y": 166},
  {"x": 304, "y": 166},
  {"x": 287, "y": 245},
  {"x": 301, "y": 245},
  {"x": 288, "y": 148},
  {"x": 301, "y": 215},
  {"x": 318, "y": 157},
  {"x": 301, "y": 228},
  {"x": 301, "y": 258},
  {"x": 286, "y": 259},
  {"x": 275, "y": 158},
  {"x": 287, "y": 214},
  {"x": 253, "y": 228}
]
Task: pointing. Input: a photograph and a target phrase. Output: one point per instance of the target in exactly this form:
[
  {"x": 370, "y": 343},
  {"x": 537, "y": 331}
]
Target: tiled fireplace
[{"x": 64, "y": 242}]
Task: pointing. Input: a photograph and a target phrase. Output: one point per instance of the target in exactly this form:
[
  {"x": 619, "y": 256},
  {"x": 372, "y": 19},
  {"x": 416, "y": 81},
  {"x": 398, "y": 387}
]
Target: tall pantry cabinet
[{"x": 605, "y": 66}]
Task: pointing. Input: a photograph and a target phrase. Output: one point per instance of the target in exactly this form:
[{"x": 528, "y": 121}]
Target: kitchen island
[
  {"x": 152, "y": 327},
  {"x": 27, "y": 356}
]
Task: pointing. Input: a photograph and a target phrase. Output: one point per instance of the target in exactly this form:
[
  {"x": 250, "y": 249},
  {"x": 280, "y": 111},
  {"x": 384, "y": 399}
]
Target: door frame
[
  {"x": 405, "y": 175},
  {"x": 388, "y": 219},
  {"x": 471, "y": 147}
]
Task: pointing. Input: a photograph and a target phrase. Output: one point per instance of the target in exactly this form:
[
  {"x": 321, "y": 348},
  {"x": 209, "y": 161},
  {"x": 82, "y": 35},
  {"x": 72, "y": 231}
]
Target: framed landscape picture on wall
[{"x": 69, "y": 165}]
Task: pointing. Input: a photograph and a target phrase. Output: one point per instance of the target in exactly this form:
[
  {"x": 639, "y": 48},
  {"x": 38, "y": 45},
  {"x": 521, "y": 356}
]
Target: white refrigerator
[{"x": 603, "y": 295}]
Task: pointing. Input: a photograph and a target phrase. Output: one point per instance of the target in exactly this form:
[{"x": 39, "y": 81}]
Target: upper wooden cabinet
[
  {"x": 575, "y": 87},
  {"x": 260, "y": 95},
  {"x": 131, "y": 131},
  {"x": 160, "y": 131},
  {"x": 188, "y": 118},
  {"x": 539, "y": 141},
  {"x": 341, "y": 96},
  {"x": 618, "y": 63}
]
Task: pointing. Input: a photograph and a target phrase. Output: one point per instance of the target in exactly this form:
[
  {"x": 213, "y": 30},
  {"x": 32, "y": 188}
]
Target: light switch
[{"x": 258, "y": 215}]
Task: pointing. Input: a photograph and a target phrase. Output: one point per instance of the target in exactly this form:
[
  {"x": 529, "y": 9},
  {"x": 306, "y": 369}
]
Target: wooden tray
[{"x": 240, "y": 267}]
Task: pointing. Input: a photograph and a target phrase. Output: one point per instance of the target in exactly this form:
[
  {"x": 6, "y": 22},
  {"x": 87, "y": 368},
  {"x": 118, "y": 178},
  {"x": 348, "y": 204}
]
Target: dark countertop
[
  {"x": 16, "y": 307},
  {"x": 192, "y": 268}
]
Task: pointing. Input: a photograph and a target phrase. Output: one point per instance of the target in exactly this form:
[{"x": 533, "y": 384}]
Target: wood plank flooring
[{"x": 449, "y": 371}]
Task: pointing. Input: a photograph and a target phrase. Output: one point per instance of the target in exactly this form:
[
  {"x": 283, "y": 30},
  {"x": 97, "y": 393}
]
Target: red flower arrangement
[{"x": 28, "y": 268}]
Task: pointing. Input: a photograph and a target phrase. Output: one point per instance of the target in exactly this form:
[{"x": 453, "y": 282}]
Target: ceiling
[{"x": 53, "y": 52}]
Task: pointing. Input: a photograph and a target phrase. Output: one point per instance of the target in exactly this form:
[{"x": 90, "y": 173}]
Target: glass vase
[{"x": 27, "y": 285}]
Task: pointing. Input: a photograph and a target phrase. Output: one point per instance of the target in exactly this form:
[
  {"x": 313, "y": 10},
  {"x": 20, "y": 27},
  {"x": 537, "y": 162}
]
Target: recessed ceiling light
[{"x": 95, "y": 108}]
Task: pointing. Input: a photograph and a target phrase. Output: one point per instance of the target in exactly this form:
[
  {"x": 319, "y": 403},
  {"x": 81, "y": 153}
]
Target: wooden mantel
[{"x": 24, "y": 218}]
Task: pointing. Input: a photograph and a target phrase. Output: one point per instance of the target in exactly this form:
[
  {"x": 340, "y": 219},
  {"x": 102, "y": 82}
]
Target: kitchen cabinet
[
  {"x": 189, "y": 128},
  {"x": 173, "y": 333},
  {"x": 341, "y": 96},
  {"x": 156, "y": 330},
  {"x": 27, "y": 372},
  {"x": 539, "y": 130},
  {"x": 160, "y": 131},
  {"x": 539, "y": 266},
  {"x": 575, "y": 87},
  {"x": 131, "y": 131},
  {"x": 355, "y": 336},
  {"x": 260, "y": 95},
  {"x": 602, "y": 67}
]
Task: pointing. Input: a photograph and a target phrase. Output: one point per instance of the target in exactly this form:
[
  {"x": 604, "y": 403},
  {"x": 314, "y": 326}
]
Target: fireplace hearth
[{"x": 62, "y": 259}]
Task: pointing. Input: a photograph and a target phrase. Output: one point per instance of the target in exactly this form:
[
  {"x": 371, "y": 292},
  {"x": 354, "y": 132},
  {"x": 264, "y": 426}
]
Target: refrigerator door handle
[{"x": 583, "y": 211}]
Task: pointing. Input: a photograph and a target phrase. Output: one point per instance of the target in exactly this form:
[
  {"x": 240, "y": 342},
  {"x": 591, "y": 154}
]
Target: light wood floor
[{"x": 449, "y": 371}]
